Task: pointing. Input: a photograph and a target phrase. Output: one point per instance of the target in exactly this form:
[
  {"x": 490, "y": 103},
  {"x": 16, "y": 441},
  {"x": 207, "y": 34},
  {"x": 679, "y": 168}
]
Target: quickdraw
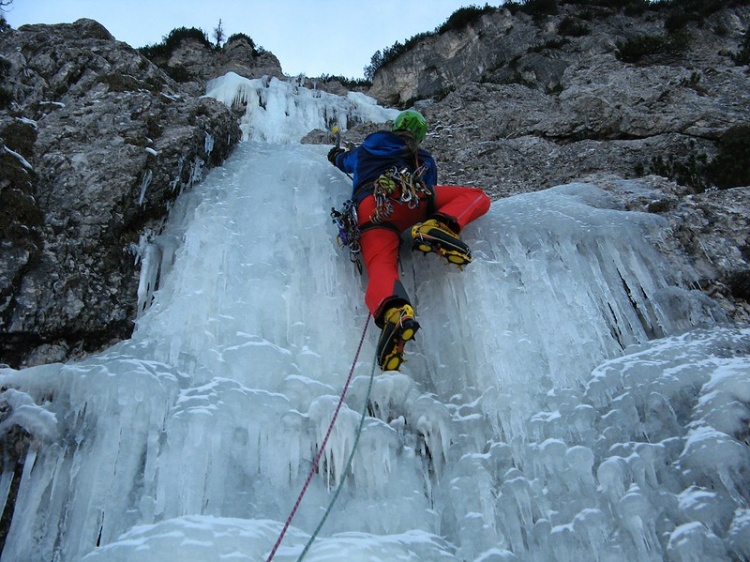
[
  {"x": 401, "y": 186},
  {"x": 347, "y": 221}
]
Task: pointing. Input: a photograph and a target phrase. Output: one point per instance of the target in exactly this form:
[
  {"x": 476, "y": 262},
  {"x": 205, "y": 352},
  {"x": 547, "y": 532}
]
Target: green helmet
[{"x": 412, "y": 121}]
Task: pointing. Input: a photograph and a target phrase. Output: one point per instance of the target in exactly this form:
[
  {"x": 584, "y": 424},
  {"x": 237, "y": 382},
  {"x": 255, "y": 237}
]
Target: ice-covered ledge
[{"x": 278, "y": 111}]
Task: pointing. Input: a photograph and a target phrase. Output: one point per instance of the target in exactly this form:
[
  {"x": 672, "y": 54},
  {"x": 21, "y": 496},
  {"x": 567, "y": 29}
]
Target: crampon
[
  {"x": 398, "y": 328},
  {"x": 432, "y": 236}
]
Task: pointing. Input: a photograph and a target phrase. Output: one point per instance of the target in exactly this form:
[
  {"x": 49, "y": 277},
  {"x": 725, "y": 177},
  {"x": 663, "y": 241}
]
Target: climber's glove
[{"x": 333, "y": 153}]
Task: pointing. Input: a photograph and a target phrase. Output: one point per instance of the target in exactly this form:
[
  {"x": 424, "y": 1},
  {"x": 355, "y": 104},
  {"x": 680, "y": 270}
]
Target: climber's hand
[{"x": 333, "y": 153}]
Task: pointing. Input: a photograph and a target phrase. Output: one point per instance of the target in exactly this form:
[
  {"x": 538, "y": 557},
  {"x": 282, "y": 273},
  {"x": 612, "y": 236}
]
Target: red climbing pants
[{"x": 380, "y": 244}]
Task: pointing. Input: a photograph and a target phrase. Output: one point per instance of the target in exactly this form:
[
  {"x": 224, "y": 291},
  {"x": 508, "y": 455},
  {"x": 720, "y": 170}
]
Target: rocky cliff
[
  {"x": 95, "y": 142},
  {"x": 188, "y": 56}
]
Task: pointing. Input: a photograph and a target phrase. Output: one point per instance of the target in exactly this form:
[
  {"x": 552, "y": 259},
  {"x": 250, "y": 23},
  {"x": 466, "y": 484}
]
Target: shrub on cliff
[
  {"x": 539, "y": 8},
  {"x": 462, "y": 17},
  {"x": 163, "y": 50},
  {"x": 730, "y": 167},
  {"x": 6, "y": 97},
  {"x": 572, "y": 28},
  {"x": 742, "y": 57},
  {"x": 644, "y": 47},
  {"x": 239, "y": 37},
  {"x": 692, "y": 168}
]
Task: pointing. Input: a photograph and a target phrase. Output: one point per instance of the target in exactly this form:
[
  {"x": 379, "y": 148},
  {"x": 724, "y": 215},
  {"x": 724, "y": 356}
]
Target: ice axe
[{"x": 337, "y": 134}]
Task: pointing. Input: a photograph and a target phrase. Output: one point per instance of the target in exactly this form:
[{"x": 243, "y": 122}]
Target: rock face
[
  {"x": 196, "y": 63},
  {"x": 95, "y": 141},
  {"x": 509, "y": 46},
  {"x": 527, "y": 104}
]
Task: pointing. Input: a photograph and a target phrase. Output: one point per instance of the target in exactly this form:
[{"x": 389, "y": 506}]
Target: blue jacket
[{"x": 378, "y": 153}]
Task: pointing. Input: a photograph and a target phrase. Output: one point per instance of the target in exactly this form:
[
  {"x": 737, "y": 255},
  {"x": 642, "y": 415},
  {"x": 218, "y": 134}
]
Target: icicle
[
  {"x": 178, "y": 175},
  {"x": 196, "y": 171},
  {"x": 150, "y": 256},
  {"x": 208, "y": 145},
  {"x": 21, "y": 159},
  {"x": 144, "y": 185}
]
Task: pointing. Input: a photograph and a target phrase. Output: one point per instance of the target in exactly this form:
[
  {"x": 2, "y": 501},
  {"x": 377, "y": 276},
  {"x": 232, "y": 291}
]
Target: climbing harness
[
  {"x": 346, "y": 221},
  {"x": 322, "y": 447},
  {"x": 400, "y": 186}
]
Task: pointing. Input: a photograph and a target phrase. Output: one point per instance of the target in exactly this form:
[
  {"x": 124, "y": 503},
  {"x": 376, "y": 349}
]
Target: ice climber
[{"x": 395, "y": 189}]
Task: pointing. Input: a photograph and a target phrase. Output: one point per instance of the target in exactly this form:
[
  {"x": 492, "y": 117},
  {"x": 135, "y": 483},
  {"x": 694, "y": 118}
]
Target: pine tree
[{"x": 219, "y": 34}]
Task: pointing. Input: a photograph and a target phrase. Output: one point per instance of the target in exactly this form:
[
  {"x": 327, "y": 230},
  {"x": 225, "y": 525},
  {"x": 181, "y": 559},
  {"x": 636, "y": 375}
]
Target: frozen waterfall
[{"x": 563, "y": 400}]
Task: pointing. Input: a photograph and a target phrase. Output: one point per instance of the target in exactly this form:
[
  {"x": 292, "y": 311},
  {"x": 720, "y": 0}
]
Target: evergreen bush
[
  {"x": 179, "y": 73},
  {"x": 6, "y": 98},
  {"x": 731, "y": 167},
  {"x": 172, "y": 41},
  {"x": 630, "y": 7},
  {"x": 351, "y": 83},
  {"x": 742, "y": 57},
  {"x": 690, "y": 169},
  {"x": 239, "y": 36},
  {"x": 539, "y": 8},
  {"x": 637, "y": 48},
  {"x": 464, "y": 17},
  {"x": 573, "y": 28}
]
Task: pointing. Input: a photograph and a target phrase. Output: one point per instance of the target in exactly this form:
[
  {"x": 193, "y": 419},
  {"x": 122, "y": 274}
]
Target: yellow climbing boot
[
  {"x": 399, "y": 326},
  {"x": 435, "y": 236}
]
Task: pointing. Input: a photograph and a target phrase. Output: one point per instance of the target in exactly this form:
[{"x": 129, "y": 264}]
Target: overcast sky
[{"x": 311, "y": 37}]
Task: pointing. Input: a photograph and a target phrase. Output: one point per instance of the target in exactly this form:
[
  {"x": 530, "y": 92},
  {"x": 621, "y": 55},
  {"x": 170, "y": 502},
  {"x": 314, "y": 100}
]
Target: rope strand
[
  {"x": 348, "y": 463},
  {"x": 321, "y": 449}
]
